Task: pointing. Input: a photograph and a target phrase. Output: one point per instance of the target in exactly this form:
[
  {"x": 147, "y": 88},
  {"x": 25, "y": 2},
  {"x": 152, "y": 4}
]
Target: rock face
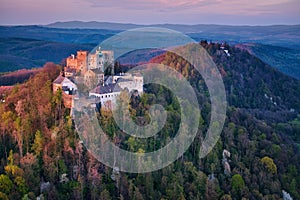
[
  {"x": 225, "y": 162},
  {"x": 45, "y": 186},
  {"x": 63, "y": 178},
  {"x": 286, "y": 196}
]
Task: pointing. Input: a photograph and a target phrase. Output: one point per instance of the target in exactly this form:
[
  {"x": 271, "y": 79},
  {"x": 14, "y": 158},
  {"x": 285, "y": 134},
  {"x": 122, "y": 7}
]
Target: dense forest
[{"x": 256, "y": 157}]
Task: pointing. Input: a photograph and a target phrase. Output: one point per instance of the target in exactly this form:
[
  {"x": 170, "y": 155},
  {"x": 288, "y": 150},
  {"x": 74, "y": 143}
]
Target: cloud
[
  {"x": 147, "y": 4},
  {"x": 240, "y": 7},
  {"x": 151, "y": 11},
  {"x": 153, "y": 4}
]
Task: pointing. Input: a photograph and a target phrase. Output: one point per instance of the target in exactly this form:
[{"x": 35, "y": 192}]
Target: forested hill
[
  {"x": 41, "y": 153},
  {"x": 249, "y": 82},
  {"x": 287, "y": 60}
]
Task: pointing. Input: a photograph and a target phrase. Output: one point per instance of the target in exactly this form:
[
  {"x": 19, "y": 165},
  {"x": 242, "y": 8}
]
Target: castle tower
[{"x": 82, "y": 61}]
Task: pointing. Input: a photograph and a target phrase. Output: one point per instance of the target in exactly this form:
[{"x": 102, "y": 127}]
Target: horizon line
[{"x": 149, "y": 24}]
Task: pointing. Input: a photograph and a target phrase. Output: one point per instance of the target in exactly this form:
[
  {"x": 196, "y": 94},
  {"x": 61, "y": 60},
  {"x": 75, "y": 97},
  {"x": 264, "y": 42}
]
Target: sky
[{"x": 231, "y": 12}]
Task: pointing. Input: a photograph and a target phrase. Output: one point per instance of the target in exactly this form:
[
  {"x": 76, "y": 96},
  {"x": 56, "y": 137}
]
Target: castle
[
  {"x": 107, "y": 93},
  {"x": 78, "y": 63},
  {"x": 84, "y": 60},
  {"x": 90, "y": 68}
]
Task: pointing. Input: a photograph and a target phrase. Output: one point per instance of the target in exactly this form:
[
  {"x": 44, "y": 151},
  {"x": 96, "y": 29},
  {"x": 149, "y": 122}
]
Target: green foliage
[
  {"x": 66, "y": 189},
  {"x": 37, "y": 146},
  {"x": 282, "y": 58},
  {"x": 10, "y": 158},
  {"x": 62, "y": 167},
  {"x": 3, "y": 196},
  {"x": 26, "y": 197},
  {"x": 5, "y": 184},
  {"x": 237, "y": 184},
  {"x": 291, "y": 128},
  {"x": 270, "y": 165},
  {"x": 42, "y": 125},
  {"x": 21, "y": 185}
]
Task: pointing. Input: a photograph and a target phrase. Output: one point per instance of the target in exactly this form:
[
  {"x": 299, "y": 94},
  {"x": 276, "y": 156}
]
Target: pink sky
[{"x": 236, "y": 12}]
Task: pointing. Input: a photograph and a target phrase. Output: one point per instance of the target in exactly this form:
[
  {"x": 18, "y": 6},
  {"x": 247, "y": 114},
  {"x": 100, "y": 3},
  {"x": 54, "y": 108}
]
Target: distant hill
[
  {"x": 78, "y": 36},
  {"x": 93, "y": 25},
  {"x": 139, "y": 56},
  {"x": 96, "y": 32},
  {"x": 284, "y": 59},
  {"x": 20, "y": 53},
  {"x": 32, "y": 46},
  {"x": 275, "y": 34}
]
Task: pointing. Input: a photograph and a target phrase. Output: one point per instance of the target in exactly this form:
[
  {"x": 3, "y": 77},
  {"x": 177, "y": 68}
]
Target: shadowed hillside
[
  {"x": 20, "y": 53},
  {"x": 286, "y": 60},
  {"x": 251, "y": 84}
]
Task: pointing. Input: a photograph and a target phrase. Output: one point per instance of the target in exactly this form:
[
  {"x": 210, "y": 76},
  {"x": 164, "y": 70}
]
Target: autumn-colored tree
[
  {"x": 270, "y": 165},
  {"x": 37, "y": 146}
]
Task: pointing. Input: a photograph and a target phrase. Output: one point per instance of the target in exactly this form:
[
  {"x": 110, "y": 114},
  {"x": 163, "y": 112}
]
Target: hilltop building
[
  {"x": 107, "y": 93},
  {"x": 91, "y": 68},
  {"x": 93, "y": 77},
  {"x": 79, "y": 63},
  {"x": 69, "y": 72},
  {"x": 84, "y": 61},
  {"x": 68, "y": 89},
  {"x": 64, "y": 84},
  {"x": 128, "y": 81},
  {"x": 100, "y": 58}
]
